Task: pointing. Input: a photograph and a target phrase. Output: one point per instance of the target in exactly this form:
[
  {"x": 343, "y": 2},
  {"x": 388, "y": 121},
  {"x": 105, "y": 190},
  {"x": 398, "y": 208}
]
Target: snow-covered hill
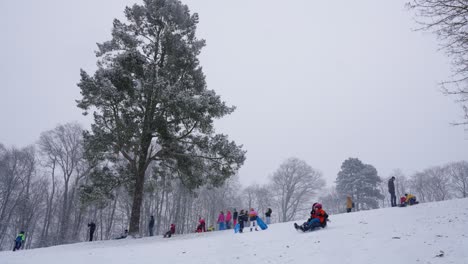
[{"x": 417, "y": 234}]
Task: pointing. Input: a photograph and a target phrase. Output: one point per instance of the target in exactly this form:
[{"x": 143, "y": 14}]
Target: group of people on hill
[
  {"x": 92, "y": 229},
  {"x": 224, "y": 221},
  {"x": 407, "y": 199},
  {"x": 318, "y": 218}
]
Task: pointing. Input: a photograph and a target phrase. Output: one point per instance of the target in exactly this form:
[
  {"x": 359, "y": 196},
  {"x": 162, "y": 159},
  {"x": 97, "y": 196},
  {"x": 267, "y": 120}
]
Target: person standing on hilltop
[
  {"x": 349, "y": 204},
  {"x": 92, "y": 228},
  {"x": 268, "y": 216},
  {"x": 151, "y": 226},
  {"x": 391, "y": 190}
]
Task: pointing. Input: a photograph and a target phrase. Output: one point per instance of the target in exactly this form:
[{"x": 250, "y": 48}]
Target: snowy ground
[{"x": 393, "y": 235}]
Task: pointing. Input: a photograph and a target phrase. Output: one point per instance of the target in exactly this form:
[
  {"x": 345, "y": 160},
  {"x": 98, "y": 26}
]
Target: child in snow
[
  {"x": 268, "y": 216},
  {"x": 228, "y": 220},
  {"x": 170, "y": 232},
  {"x": 221, "y": 221},
  {"x": 402, "y": 201},
  {"x": 318, "y": 218},
  {"x": 201, "y": 225},
  {"x": 411, "y": 199},
  {"x": 253, "y": 219},
  {"x": 123, "y": 235},
  {"x": 19, "y": 241},
  {"x": 235, "y": 214},
  {"x": 242, "y": 219}
]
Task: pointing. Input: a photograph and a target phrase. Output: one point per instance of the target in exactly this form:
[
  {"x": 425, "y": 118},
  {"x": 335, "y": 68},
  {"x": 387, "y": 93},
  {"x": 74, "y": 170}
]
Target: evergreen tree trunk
[{"x": 136, "y": 204}]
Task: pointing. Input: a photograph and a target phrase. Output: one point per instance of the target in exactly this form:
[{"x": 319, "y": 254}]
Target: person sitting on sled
[
  {"x": 170, "y": 232},
  {"x": 410, "y": 199},
  {"x": 318, "y": 218},
  {"x": 201, "y": 225},
  {"x": 402, "y": 201},
  {"x": 123, "y": 235}
]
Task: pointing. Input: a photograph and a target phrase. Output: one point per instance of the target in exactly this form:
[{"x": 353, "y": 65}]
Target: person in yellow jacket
[
  {"x": 410, "y": 199},
  {"x": 349, "y": 204}
]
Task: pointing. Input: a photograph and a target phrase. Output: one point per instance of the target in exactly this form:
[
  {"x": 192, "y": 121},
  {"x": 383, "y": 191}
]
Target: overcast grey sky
[{"x": 318, "y": 80}]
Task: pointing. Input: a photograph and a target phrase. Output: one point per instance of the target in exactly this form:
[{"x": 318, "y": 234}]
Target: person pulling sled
[{"x": 318, "y": 218}]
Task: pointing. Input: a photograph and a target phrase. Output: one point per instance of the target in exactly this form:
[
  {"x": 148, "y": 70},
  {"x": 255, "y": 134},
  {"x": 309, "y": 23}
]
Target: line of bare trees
[{"x": 42, "y": 193}]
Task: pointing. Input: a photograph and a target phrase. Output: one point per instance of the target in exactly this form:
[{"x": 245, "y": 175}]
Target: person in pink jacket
[
  {"x": 221, "y": 221},
  {"x": 253, "y": 219},
  {"x": 228, "y": 220}
]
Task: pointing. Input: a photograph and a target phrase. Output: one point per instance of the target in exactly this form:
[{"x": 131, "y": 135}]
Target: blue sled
[
  {"x": 261, "y": 224},
  {"x": 237, "y": 228}
]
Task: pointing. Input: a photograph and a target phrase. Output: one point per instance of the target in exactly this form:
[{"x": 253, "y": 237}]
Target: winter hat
[{"x": 318, "y": 206}]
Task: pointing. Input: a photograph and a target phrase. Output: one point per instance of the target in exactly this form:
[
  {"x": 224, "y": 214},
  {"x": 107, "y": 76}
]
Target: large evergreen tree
[
  {"x": 151, "y": 104},
  {"x": 361, "y": 182}
]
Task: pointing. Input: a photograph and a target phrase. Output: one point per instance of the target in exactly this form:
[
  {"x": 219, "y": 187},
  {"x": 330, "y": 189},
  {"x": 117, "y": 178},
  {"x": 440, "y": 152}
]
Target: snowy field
[{"x": 425, "y": 233}]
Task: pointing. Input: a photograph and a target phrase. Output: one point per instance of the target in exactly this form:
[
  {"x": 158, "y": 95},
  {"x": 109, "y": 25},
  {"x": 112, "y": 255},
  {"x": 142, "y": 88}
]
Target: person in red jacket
[
  {"x": 403, "y": 201},
  {"x": 201, "y": 225},
  {"x": 318, "y": 218},
  {"x": 170, "y": 232}
]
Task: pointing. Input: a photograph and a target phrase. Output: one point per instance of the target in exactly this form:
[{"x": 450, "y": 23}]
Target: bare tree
[
  {"x": 458, "y": 172},
  {"x": 295, "y": 183},
  {"x": 438, "y": 183},
  {"x": 334, "y": 202},
  {"x": 64, "y": 148},
  {"x": 448, "y": 19},
  {"x": 20, "y": 193},
  {"x": 418, "y": 185}
]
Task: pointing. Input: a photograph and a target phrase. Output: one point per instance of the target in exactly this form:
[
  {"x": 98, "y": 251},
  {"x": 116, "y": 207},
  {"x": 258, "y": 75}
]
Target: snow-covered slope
[{"x": 393, "y": 235}]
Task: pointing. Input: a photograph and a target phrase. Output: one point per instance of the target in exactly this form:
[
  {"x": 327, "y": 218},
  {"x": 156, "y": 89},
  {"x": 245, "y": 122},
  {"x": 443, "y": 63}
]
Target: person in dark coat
[
  {"x": 235, "y": 214},
  {"x": 268, "y": 215},
  {"x": 391, "y": 190},
  {"x": 242, "y": 218},
  {"x": 151, "y": 226},
  {"x": 92, "y": 228}
]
